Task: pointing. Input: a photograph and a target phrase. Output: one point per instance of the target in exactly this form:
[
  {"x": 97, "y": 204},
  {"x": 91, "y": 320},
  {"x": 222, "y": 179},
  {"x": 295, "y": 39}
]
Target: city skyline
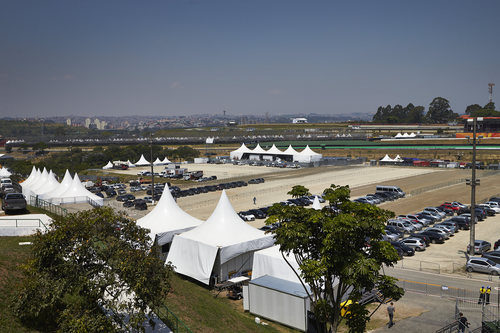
[{"x": 174, "y": 58}]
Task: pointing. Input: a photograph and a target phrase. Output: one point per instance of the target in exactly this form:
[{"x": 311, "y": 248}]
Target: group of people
[{"x": 484, "y": 295}]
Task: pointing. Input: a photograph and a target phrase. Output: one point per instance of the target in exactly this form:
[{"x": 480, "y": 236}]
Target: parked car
[
  {"x": 450, "y": 224},
  {"x": 489, "y": 211},
  {"x": 246, "y": 216},
  {"x": 493, "y": 256},
  {"x": 461, "y": 221},
  {"x": 13, "y": 201},
  {"x": 128, "y": 203},
  {"x": 415, "y": 243},
  {"x": 429, "y": 216},
  {"x": 480, "y": 246},
  {"x": 483, "y": 265},
  {"x": 424, "y": 221},
  {"x": 407, "y": 251},
  {"x": 426, "y": 239},
  {"x": 441, "y": 232},
  {"x": 259, "y": 214},
  {"x": 449, "y": 230},
  {"x": 401, "y": 225},
  {"x": 435, "y": 237},
  {"x": 394, "y": 230},
  {"x": 141, "y": 205}
]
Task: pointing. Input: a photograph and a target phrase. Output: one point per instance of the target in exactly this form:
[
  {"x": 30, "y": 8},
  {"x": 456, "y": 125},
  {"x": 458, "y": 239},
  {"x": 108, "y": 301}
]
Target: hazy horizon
[{"x": 186, "y": 57}]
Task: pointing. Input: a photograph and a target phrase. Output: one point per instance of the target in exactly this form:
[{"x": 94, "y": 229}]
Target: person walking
[
  {"x": 482, "y": 294},
  {"x": 390, "y": 312},
  {"x": 488, "y": 292},
  {"x": 462, "y": 323},
  {"x": 254, "y": 200}
]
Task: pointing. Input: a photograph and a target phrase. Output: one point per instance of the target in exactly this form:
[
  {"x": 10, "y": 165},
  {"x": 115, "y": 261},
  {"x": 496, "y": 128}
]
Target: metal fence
[
  {"x": 171, "y": 320},
  {"x": 23, "y": 223},
  {"x": 47, "y": 206}
]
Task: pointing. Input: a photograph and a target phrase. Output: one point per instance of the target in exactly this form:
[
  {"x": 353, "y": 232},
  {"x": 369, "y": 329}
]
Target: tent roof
[
  {"x": 274, "y": 150},
  {"x": 4, "y": 172},
  {"x": 142, "y": 161},
  {"x": 316, "y": 204},
  {"x": 166, "y": 219},
  {"x": 63, "y": 186},
  {"x": 258, "y": 150},
  {"x": 166, "y": 160},
  {"x": 224, "y": 227},
  {"x": 290, "y": 151},
  {"x": 76, "y": 189},
  {"x": 30, "y": 178},
  {"x": 308, "y": 151},
  {"x": 108, "y": 166},
  {"x": 270, "y": 261},
  {"x": 242, "y": 149},
  {"x": 130, "y": 164},
  {"x": 386, "y": 158},
  {"x": 398, "y": 159},
  {"x": 157, "y": 161},
  {"x": 50, "y": 185},
  {"x": 39, "y": 181}
]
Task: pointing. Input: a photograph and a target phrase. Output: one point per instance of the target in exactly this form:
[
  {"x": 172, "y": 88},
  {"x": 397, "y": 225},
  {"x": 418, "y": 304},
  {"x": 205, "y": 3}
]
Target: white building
[{"x": 299, "y": 121}]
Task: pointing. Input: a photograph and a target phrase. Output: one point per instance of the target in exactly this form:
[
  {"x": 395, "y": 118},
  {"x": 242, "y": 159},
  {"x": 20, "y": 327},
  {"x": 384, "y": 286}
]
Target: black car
[
  {"x": 128, "y": 203},
  {"x": 121, "y": 197},
  {"x": 99, "y": 194},
  {"x": 407, "y": 251},
  {"x": 461, "y": 221},
  {"x": 493, "y": 256},
  {"x": 110, "y": 193},
  {"x": 433, "y": 236},
  {"x": 259, "y": 214},
  {"x": 141, "y": 205},
  {"x": 394, "y": 230}
]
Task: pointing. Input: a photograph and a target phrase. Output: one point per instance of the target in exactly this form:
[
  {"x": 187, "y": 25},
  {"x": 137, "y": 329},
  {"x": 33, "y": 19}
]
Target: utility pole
[
  {"x": 152, "y": 171},
  {"x": 490, "y": 90},
  {"x": 473, "y": 182}
]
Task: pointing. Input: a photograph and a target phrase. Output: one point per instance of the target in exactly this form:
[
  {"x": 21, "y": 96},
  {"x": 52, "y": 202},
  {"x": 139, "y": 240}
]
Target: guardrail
[
  {"x": 35, "y": 201},
  {"x": 172, "y": 321},
  {"x": 18, "y": 223}
]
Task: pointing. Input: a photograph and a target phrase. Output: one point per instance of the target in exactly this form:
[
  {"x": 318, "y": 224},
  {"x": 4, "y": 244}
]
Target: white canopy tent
[
  {"x": 30, "y": 178},
  {"x": 108, "y": 166},
  {"x": 238, "y": 153},
  {"x": 157, "y": 161},
  {"x": 290, "y": 151},
  {"x": 167, "y": 219},
  {"x": 142, "y": 161},
  {"x": 166, "y": 160},
  {"x": 307, "y": 155},
  {"x": 76, "y": 193},
  {"x": 130, "y": 164},
  {"x": 316, "y": 204},
  {"x": 40, "y": 182},
  {"x": 398, "y": 159},
  {"x": 386, "y": 158},
  {"x": 399, "y": 135},
  {"x": 274, "y": 150},
  {"x": 217, "y": 247},
  {"x": 4, "y": 172},
  {"x": 60, "y": 189},
  {"x": 258, "y": 150},
  {"x": 270, "y": 262},
  {"x": 50, "y": 185}
]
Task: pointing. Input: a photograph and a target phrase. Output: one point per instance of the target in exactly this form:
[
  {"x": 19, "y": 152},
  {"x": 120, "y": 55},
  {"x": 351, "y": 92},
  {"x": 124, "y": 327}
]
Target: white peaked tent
[
  {"x": 307, "y": 155},
  {"x": 386, "y": 158},
  {"x": 157, "y": 162},
  {"x": 270, "y": 262},
  {"x": 4, "y": 172},
  {"x": 290, "y": 151},
  {"x": 274, "y": 150},
  {"x": 40, "y": 182},
  {"x": 258, "y": 150},
  {"x": 166, "y": 160},
  {"x": 130, "y": 164},
  {"x": 399, "y": 135},
  {"x": 50, "y": 185},
  {"x": 32, "y": 181},
  {"x": 30, "y": 178},
  {"x": 76, "y": 193},
  {"x": 412, "y": 135},
  {"x": 60, "y": 189},
  {"x": 406, "y": 135},
  {"x": 238, "y": 153},
  {"x": 167, "y": 219},
  {"x": 222, "y": 244},
  {"x": 316, "y": 204},
  {"x": 108, "y": 166},
  {"x": 142, "y": 161},
  {"x": 398, "y": 159}
]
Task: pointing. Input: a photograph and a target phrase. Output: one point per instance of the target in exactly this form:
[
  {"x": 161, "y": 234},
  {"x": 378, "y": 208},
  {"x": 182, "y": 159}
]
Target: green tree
[
  {"x": 490, "y": 106},
  {"x": 471, "y": 109},
  {"x": 299, "y": 191},
  {"x": 440, "y": 111},
  {"x": 185, "y": 153},
  {"x": 86, "y": 263},
  {"x": 340, "y": 253}
]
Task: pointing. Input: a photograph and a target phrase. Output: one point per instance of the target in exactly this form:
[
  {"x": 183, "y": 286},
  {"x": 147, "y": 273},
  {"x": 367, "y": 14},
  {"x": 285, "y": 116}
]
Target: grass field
[{"x": 12, "y": 256}]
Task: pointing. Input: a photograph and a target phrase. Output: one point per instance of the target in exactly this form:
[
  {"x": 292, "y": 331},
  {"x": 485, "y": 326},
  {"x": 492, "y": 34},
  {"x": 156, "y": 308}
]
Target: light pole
[
  {"x": 152, "y": 171},
  {"x": 473, "y": 182}
]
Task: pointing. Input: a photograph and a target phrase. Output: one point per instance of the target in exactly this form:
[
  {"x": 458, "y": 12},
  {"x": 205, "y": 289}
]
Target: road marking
[{"x": 425, "y": 283}]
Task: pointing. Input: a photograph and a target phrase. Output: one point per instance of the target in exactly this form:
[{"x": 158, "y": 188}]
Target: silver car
[
  {"x": 414, "y": 243},
  {"x": 442, "y": 232},
  {"x": 483, "y": 265},
  {"x": 448, "y": 229}
]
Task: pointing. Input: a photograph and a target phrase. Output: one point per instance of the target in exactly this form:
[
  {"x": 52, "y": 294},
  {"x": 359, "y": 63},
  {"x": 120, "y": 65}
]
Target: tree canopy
[
  {"x": 475, "y": 110},
  {"x": 91, "y": 272},
  {"x": 440, "y": 111},
  {"x": 340, "y": 252}
]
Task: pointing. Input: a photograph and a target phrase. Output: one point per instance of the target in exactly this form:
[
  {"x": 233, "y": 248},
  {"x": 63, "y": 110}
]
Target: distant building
[
  {"x": 299, "y": 121},
  {"x": 68, "y": 121},
  {"x": 88, "y": 121}
]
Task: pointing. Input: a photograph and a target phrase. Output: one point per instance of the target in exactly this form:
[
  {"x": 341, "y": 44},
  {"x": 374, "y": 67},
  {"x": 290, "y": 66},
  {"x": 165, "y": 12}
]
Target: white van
[
  {"x": 5, "y": 181},
  {"x": 394, "y": 189}
]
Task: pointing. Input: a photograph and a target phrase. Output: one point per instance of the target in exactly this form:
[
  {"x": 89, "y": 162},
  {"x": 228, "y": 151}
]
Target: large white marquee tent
[
  {"x": 142, "y": 161},
  {"x": 305, "y": 156},
  {"x": 217, "y": 247},
  {"x": 167, "y": 219}
]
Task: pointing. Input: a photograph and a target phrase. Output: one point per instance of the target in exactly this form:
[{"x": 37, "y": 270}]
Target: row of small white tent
[
  {"x": 141, "y": 162},
  {"x": 4, "y": 173},
  {"x": 405, "y": 135},
  {"x": 387, "y": 158},
  {"x": 305, "y": 156},
  {"x": 44, "y": 185},
  {"x": 221, "y": 244}
]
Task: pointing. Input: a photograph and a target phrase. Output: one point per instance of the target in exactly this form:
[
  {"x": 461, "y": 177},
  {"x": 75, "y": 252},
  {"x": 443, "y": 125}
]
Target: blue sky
[{"x": 171, "y": 57}]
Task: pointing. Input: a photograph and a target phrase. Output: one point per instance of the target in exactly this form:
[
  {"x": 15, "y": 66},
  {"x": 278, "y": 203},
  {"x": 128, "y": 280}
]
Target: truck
[{"x": 13, "y": 201}]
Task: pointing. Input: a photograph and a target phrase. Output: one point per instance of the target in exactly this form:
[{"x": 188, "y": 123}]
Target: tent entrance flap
[{"x": 192, "y": 258}]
